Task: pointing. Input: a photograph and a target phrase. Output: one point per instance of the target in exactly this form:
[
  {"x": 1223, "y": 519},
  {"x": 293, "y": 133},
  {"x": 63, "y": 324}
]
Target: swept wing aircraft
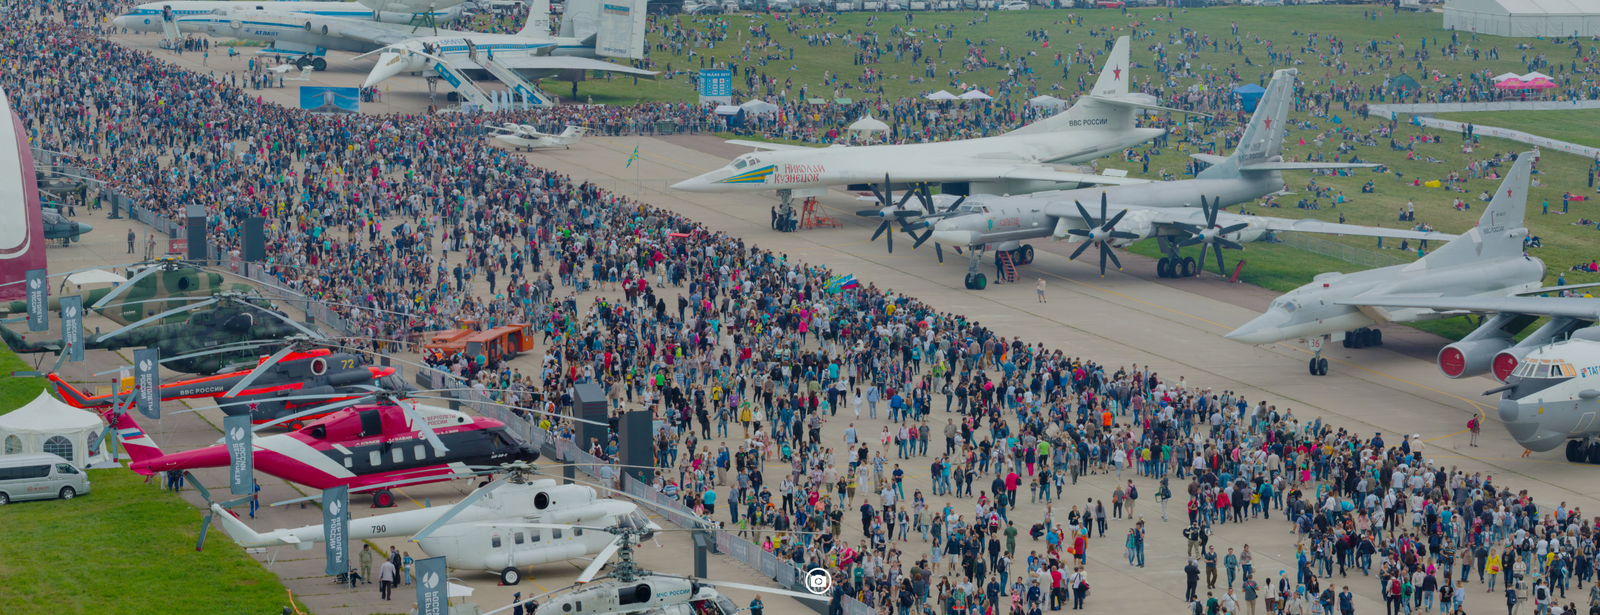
[
  {"x": 1017, "y": 162},
  {"x": 523, "y": 136},
  {"x": 1485, "y": 264},
  {"x": 1179, "y": 213}
]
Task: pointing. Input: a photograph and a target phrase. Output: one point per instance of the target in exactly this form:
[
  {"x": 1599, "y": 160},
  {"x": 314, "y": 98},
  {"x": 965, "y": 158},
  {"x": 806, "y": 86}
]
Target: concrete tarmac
[{"x": 1127, "y": 317}]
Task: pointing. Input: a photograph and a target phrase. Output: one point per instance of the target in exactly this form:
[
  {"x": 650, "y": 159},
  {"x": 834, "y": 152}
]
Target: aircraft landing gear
[
  {"x": 1022, "y": 255},
  {"x": 975, "y": 280},
  {"x": 1577, "y": 451},
  {"x": 1174, "y": 265},
  {"x": 1592, "y": 452},
  {"x": 1363, "y": 338},
  {"x": 1318, "y": 365},
  {"x": 383, "y": 498},
  {"x": 510, "y": 576}
]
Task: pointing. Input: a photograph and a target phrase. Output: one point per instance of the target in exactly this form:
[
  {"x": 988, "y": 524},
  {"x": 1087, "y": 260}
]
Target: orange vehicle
[{"x": 496, "y": 343}]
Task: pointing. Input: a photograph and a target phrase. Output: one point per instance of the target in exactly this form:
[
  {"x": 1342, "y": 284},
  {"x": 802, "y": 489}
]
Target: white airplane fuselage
[
  {"x": 915, "y": 162},
  {"x": 147, "y": 17}
]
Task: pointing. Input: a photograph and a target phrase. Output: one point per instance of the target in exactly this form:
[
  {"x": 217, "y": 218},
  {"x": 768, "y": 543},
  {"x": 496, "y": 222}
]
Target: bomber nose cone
[
  {"x": 389, "y": 65},
  {"x": 84, "y": 229},
  {"x": 1265, "y": 329},
  {"x": 693, "y": 184},
  {"x": 954, "y": 238},
  {"x": 122, "y": 21}
]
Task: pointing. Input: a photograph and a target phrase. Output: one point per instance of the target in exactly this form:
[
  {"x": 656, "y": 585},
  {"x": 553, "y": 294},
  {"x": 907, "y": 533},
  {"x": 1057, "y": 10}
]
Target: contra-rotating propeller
[
  {"x": 1212, "y": 235},
  {"x": 890, "y": 213},
  {"x": 1102, "y": 234},
  {"x": 925, "y": 223}
]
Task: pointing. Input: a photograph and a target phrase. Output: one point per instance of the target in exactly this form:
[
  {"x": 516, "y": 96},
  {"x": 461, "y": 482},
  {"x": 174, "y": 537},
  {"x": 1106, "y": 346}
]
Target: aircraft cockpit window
[
  {"x": 1288, "y": 306},
  {"x": 728, "y": 607},
  {"x": 741, "y": 163},
  {"x": 1542, "y": 371}
]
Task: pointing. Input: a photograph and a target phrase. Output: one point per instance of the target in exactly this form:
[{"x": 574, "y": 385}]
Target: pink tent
[
  {"x": 1540, "y": 84},
  {"x": 1512, "y": 83}
]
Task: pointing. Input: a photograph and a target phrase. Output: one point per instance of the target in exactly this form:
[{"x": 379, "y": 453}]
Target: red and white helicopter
[{"x": 390, "y": 443}]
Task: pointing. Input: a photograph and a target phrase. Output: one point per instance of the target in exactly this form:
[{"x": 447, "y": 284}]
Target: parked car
[
  {"x": 39, "y": 476},
  {"x": 782, "y": 6},
  {"x": 1012, "y": 5},
  {"x": 1109, "y": 4}
]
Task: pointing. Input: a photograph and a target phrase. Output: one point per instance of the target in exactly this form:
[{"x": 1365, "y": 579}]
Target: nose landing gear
[
  {"x": 975, "y": 280},
  {"x": 1318, "y": 365}
]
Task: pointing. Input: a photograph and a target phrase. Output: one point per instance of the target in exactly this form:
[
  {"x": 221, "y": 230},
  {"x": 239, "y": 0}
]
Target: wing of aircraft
[
  {"x": 1052, "y": 175},
  {"x": 771, "y": 147},
  {"x": 1581, "y": 308},
  {"x": 1196, "y": 217},
  {"x": 1278, "y": 165},
  {"x": 562, "y": 63}
]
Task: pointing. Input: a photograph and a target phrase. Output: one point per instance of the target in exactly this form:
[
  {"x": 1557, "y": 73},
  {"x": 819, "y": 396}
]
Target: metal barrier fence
[
  {"x": 271, "y": 288},
  {"x": 1389, "y": 111},
  {"x": 1337, "y": 250},
  {"x": 1543, "y": 143}
]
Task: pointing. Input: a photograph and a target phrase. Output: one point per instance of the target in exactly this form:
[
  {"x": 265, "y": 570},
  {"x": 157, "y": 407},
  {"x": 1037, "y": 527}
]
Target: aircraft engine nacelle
[
  {"x": 1137, "y": 221},
  {"x": 1255, "y": 232},
  {"x": 1471, "y": 358}
]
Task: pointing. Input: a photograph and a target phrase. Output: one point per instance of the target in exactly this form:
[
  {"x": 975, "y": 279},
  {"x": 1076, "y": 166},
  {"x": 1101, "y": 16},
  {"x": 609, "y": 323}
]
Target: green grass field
[
  {"x": 1275, "y": 267},
  {"x": 125, "y": 548}
]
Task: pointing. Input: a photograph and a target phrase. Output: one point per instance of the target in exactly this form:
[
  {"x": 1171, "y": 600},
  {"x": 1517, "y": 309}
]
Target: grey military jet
[
  {"x": 57, "y": 226},
  {"x": 1486, "y": 263},
  {"x": 1179, "y": 213}
]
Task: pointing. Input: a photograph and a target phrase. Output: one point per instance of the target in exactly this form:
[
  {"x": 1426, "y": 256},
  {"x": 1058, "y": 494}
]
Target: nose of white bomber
[
  {"x": 389, "y": 64},
  {"x": 1264, "y": 329}
]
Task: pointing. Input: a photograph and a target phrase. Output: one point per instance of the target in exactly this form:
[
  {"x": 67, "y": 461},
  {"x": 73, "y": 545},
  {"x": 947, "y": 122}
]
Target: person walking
[
  {"x": 385, "y": 579},
  {"x": 1080, "y": 587},
  {"x": 131, "y": 237},
  {"x": 1191, "y": 575},
  {"x": 1038, "y": 288},
  {"x": 255, "y": 498}
]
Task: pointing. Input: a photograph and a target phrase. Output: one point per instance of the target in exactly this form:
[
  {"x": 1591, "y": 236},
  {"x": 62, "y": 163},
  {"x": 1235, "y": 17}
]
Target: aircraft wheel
[
  {"x": 1322, "y": 367},
  {"x": 1312, "y": 366},
  {"x": 1349, "y": 340},
  {"x": 297, "y": 426},
  {"x": 1187, "y": 267},
  {"x": 1593, "y": 451},
  {"x": 67, "y": 493},
  {"x": 510, "y": 576},
  {"x": 1164, "y": 267},
  {"x": 1377, "y": 337},
  {"x": 301, "y": 63},
  {"x": 383, "y": 499},
  {"x": 1027, "y": 255},
  {"x": 977, "y": 281},
  {"x": 319, "y": 65},
  {"x": 1575, "y": 452}
]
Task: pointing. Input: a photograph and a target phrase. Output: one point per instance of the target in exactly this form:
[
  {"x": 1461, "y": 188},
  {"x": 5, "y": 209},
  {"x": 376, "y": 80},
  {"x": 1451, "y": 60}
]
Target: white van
[{"x": 39, "y": 476}]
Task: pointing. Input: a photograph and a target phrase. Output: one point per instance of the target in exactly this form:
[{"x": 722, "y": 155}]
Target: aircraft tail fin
[
  {"x": 571, "y": 131},
  {"x": 1092, "y": 110},
  {"x": 134, "y": 440},
  {"x": 1262, "y": 142},
  {"x": 74, "y": 397},
  {"x": 538, "y": 24},
  {"x": 1500, "y": 230},
  {"x": 238, "y": 531}
]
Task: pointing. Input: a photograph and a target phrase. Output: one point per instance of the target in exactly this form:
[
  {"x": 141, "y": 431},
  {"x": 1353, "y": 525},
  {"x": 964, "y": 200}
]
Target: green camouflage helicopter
[
  {"x": 166, "y": 278},
  {"x": 234, "y": 330}
]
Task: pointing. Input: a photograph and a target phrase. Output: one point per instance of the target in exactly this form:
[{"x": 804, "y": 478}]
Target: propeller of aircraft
[
  {"x": 204, "y": 493},
  {"x": 1211, "y": 235},
  {"x": 925, "y": 223},
  {"x": 891, "y": 213},
  {"x": 1100, "y": 235}
]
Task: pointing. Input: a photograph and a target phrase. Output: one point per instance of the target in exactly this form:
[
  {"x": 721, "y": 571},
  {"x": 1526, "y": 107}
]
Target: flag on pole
[
  {"x": 633, "y": 157},
  {"x": 839, "y": 283}
]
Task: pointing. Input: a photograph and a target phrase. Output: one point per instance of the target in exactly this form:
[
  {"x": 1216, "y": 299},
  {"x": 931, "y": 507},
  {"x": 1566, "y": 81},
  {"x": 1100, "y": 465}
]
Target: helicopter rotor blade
[
  {"x": 156, "y": 317},
  {"x": 250, "y": 378},
  {"x": 600, "y": 560},
  {"x": 939, "y": 250},
  {"x": 459, "y": 507},
  {"x": 758, "y": 588},
  {"x": 422, "y": 426},
  {"x": 275, "y": 314},
  {"x": 322, "y": 409},
  {"x": 123, "y": 287}
]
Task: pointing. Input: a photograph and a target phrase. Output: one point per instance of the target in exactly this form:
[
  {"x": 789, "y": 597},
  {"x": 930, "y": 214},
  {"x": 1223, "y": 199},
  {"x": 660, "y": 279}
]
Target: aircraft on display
[
  {"x": 57, "y": 226},
  {"x": 386, "y": 11},
  {"x": 522, "y": 136},
  {"x": 1485, "y": 264},
  {"x": 1017, "y": 162},
  {"x": 1170, "y": 211},
  {"x": 329, "y": 376},
  {"x": 176, "y": 285},
  {"x": 632, "y": 589},
  {"x": 374, "y": 447},
  {"x": 209, "y": 340},
  {"x": 458, "y": 534}
]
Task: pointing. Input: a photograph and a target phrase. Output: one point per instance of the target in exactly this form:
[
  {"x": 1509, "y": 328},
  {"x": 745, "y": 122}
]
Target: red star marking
[
  {"x": 1116, "y": 72},
  {"x": 1269, "y": 123},
  {"x": 253, "y": 405},
  {"x": 1508, "y": 193}
]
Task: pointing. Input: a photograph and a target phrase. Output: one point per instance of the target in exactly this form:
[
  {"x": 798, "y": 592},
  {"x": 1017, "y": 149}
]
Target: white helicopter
[
  {"x": 466, "y": 534},
  {"x": 632, "y": 589},
  {"x": 523, "y": 136}
]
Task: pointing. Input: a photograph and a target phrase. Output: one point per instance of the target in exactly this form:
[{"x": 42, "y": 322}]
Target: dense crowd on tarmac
[{"x": 759, "y": 363}]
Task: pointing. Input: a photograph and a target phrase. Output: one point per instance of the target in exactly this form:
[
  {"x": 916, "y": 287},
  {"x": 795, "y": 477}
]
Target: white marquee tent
[
  {"x": 1524, "y": 18},
  {"x": 47, "y": 425}
]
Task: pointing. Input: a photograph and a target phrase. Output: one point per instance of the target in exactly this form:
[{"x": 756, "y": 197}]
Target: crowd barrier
[
  {"x": 1334, "y": 249},
  {"x": 1543, "y": 143}
]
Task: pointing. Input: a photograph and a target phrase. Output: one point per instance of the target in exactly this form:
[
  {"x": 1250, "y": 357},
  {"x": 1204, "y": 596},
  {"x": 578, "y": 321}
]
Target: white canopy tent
[
  {"x": 869, "y": 124},
  {"x": 759, "y": 107},
  {"x": 1524, "y": 18},
  {"x": 975, "y": 95},
  {"x": 47, "y": 425},
  {"x": 727, "y": 110},
  {"x": 1504, "y": 76},
  {"x": 1048, "y": 102},
  {"x": 941, "y": 95}
]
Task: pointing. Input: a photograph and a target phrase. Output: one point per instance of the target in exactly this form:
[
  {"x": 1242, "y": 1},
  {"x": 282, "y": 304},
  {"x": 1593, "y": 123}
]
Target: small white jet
[
  {"x": 457, "y": 533},
  {"x": 523, "y": 136},
  {"x": 1018, "y": 162}
]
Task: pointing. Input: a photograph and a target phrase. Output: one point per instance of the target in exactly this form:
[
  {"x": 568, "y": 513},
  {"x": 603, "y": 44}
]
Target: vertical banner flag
[
  {"x": 431, "y": 584},
  {"x": 72, "y": 326},
  {"x": 241, "y": 461},
  {"x": 38, "y": 318},
  {"x": 146, "y": 385},
  {"x": 335, "y": 523}
]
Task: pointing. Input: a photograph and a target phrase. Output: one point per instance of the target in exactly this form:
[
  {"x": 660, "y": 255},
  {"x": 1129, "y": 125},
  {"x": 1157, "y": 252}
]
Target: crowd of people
[{"x": 419, "y": 227}]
